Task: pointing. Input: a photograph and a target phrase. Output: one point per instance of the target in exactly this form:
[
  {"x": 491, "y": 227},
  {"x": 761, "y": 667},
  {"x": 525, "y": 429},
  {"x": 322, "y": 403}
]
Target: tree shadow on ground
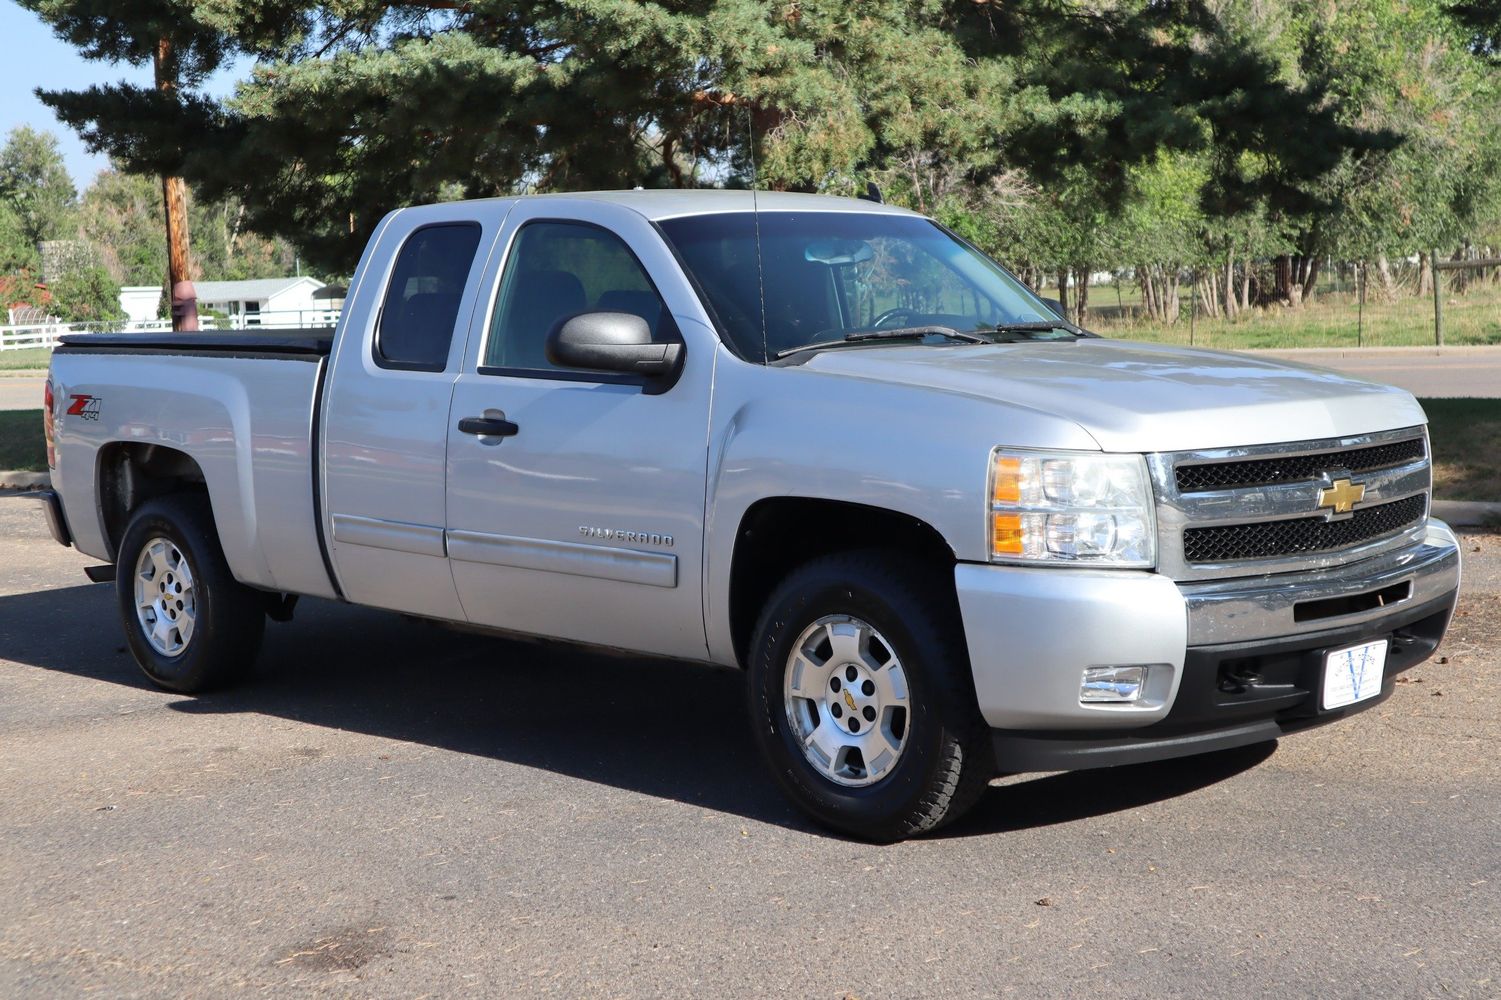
[{"x": 664, "y": 728}]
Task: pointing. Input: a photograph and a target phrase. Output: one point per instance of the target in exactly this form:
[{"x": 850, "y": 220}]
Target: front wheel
[
  {"x": 862, "y": 700},
  {"x": 190, "y": 625}
]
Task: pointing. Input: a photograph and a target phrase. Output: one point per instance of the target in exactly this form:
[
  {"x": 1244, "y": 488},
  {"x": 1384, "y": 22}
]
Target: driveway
[{"x": 392, "y": 809}]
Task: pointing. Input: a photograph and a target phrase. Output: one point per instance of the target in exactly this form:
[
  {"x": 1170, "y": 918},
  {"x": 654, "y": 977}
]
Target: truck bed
[{"x": 242, "y": 406}]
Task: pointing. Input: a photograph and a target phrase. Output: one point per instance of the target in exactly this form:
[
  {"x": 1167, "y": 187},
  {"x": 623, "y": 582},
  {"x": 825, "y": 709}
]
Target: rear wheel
[
  {"x": 862, "y": 699},
  {"x": 190, "y": 625}
]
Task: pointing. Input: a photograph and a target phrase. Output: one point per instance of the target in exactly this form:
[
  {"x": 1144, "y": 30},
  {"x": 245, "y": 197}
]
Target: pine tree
[{"x": 363, "y": 106}]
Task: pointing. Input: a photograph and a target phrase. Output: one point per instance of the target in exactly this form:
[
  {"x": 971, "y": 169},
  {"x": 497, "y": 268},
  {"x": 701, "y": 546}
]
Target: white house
[
  {"x": 288, "y": 301},
  {"x": 269, "y": 302},
  {"x": 139, "y": 302}
]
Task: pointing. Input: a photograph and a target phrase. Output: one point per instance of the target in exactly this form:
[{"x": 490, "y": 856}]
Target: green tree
[
  {"x": 361, "y": 106},
  {"x": 35, "y": 186},
  {"x": 121, "y": 215},
  {"x": 17, "y": 250},
  {"x": 86, "y": 294}
]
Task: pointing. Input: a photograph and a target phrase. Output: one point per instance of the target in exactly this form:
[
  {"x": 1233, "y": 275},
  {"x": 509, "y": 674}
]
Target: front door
[{"x": 576, "y": 500}]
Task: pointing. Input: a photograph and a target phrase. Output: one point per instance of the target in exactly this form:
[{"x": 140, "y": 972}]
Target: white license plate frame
[{"x": 1353, "y": 674}]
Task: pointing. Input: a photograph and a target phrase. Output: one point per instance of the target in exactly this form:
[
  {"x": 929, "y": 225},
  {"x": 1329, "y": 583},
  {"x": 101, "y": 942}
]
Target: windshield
[{"x": 831, "y": 274}]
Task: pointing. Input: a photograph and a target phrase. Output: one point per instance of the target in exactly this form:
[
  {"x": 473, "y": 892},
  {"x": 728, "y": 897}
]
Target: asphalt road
[
  {"x": 17, "y": 393},
  {"x": 394, "y": 810},
  {"x": 1423, "y": 371}
]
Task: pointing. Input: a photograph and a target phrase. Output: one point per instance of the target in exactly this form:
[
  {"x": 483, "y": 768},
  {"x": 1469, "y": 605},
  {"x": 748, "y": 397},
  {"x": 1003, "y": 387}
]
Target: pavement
[
  {"x": 1426, "y": 372},
  {"x": 21, "y": 392},
  {"x": 390, "y": 809}
]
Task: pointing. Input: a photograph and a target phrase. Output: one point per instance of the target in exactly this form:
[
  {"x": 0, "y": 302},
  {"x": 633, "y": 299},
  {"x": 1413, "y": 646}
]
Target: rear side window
[{"x": 422, "y": 302}]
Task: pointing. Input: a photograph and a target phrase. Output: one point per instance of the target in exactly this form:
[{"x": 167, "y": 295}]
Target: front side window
[
  {"x": 422, "y": 301},
  {"x": 826, "y": 275},
  {"x": 555, "y": 271}
]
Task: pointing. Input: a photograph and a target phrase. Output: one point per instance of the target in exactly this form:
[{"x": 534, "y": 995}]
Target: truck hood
[{"x": 1143, "y": 397}]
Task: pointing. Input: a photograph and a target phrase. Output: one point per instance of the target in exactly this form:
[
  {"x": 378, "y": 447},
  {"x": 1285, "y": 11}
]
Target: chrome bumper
[{"x": 1291, "y": 604}]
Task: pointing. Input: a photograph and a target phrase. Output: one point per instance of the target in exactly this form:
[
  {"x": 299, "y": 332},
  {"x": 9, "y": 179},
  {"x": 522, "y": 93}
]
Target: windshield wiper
[
  {"x": 895, "y": 333},
  {"x": 1037, "y": 326}
]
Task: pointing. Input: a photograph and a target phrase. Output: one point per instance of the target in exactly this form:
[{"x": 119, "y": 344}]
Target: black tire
[
  {"x": 946, "y": 761},
  {"x": 228, "y": 617}
]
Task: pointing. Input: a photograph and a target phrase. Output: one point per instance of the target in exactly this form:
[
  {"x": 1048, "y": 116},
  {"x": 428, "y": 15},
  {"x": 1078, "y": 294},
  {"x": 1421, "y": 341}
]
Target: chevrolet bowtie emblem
[
  {"x": 849, "y": 701},
  {"x": 1341, "y": 496}
]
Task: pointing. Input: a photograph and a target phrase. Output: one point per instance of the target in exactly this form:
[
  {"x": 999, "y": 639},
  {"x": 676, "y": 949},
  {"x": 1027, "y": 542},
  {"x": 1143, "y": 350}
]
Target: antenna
[{"x": 750, "y": 129}]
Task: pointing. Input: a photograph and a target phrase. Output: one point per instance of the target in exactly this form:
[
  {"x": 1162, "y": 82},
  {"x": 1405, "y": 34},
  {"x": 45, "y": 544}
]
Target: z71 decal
[{"x": 86, "y": 407}]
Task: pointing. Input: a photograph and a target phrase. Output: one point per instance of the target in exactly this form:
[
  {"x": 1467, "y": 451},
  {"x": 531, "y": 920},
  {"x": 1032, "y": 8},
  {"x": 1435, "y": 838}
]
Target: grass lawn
[
  {"x": 1466, "y": 436},
  {"x": 29, "y": 358},
  {"x": 21, "y": 443},
  {"x": 1332, "y": 319}
]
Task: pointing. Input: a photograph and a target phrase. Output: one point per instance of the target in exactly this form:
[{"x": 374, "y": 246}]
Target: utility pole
[
  {"x": 1438, "y": 300},
  {"x": 175, "y": 206}
]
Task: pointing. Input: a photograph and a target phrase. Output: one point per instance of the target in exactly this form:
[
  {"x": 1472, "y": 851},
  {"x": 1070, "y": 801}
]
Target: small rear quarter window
[{"x": 422, "y": 301}]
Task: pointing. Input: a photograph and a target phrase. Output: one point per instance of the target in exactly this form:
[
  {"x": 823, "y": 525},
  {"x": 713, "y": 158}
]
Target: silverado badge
[{"x": 1341, "y": 496}]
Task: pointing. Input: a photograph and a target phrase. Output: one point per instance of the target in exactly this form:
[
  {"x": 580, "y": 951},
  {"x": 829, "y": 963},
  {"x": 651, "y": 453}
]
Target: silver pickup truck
[{"x": 945, "y": 533}]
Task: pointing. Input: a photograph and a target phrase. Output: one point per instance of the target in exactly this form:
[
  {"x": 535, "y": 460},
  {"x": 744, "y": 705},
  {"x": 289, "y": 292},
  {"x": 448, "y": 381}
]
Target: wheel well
[
  {"x": 779, "y": 534},
  {"x": 131, "y": 473}
]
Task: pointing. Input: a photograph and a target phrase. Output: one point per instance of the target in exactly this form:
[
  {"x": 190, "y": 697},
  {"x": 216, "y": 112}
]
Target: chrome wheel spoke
[
  {"x": 891, "y": 683},
  {"x": 157, "y": 551},
  {"x": 184, "y": 573},
  {"x": 845, "y": 642},
  {"x": 806, "y": 678},
  {"x": 829, "y": 743}
]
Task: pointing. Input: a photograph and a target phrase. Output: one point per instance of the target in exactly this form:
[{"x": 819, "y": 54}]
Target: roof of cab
[{"x": 672, "y": 203}]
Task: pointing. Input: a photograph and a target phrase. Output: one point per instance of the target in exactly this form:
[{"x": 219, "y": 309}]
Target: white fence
[{"x": 44, "y": 335}]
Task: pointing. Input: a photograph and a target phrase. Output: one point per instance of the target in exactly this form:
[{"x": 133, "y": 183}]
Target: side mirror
[
  {"x": 611, "y": 342},
  {"x": 1057, "y": 307}
]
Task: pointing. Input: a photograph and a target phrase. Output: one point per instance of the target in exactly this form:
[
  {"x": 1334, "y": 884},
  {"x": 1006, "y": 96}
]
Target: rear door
[
  {"x": 586, "y": 523},
  {"x": 385, "y": 425}
]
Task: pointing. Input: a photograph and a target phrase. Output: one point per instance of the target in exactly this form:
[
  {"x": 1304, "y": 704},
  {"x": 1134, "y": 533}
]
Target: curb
[{"x": 16, "y": 480}]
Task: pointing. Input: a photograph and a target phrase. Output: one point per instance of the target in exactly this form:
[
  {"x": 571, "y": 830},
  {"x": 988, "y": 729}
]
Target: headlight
[{"x": 1079, "y": 508}]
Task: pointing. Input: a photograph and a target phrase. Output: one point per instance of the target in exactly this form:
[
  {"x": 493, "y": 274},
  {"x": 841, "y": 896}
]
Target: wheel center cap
[{"x": 853, "y": 699}]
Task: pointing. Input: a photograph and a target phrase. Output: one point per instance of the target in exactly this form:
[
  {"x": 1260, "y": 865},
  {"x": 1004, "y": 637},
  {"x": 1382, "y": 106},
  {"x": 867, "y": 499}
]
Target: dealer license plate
[{"x": 1354, "y": 674}]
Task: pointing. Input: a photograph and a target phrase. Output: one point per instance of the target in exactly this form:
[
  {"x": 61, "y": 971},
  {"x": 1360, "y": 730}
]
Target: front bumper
[{"x": 1231, "y": 662}]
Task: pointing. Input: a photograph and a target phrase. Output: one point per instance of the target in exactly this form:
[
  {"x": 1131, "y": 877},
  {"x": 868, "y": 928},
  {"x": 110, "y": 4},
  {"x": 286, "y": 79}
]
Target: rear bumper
[
  {"x": 1230, "y": 662},
  {"x": 57, "y": 521}
]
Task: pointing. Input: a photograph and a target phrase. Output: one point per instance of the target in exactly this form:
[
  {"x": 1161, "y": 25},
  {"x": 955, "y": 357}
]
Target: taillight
[{"x": 47, "y": 418}]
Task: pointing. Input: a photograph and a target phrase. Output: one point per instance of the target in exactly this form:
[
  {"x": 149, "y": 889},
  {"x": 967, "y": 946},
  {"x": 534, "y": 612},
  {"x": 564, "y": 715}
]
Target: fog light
[{"x": 1112, "y": 684}]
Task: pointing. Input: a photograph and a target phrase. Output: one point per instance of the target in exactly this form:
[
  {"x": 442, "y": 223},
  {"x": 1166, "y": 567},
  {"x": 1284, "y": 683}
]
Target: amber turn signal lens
[
  {"x": 1006, "y": 481},
  {"x": 1006, "y": 534}
]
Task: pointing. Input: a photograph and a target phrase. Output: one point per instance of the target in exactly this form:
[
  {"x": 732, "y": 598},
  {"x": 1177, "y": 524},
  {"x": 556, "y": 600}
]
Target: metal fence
[{"x": 45, "y": 335}]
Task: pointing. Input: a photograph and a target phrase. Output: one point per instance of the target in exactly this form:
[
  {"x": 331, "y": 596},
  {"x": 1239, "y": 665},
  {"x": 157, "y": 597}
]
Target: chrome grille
[
  {"x": 1262, "y": 539},
  {"x": 1250, "y": 511},
  {"x": 1290, "y": 468}
]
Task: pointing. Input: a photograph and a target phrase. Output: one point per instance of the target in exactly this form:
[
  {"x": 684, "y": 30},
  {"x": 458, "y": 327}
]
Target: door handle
[{"x": 488, "y": 426}]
